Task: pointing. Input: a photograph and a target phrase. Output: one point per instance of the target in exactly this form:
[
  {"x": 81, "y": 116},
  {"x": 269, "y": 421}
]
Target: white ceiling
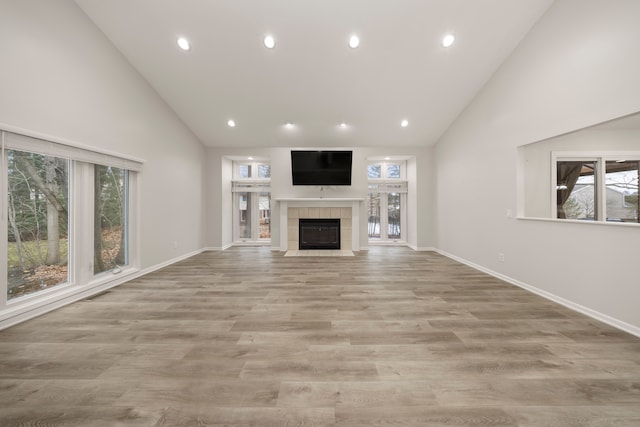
[{"x": 312, "y": 78}]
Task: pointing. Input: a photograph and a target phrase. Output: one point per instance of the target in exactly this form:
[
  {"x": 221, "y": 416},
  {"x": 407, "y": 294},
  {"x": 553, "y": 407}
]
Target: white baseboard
[
  {"x": 422, "y": 248},
  {"x": 611, "y": 321},
  {"x": 217, "y": 248},
  {"x": 68, "y": 294}
]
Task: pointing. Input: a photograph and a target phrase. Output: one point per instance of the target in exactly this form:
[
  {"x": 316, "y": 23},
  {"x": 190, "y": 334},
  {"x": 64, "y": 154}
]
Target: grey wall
[
  {"x": 577, "y": 67},
  {"x": 61, "y": 77}
]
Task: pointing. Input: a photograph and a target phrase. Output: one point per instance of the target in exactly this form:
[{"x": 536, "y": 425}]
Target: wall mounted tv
[{"x": 321, "y": 167}]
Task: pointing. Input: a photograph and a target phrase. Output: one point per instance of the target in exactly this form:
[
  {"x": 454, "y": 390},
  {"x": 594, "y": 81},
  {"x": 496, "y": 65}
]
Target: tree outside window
[
  {"x": 38, "y": 194},
  {"x": 110, "y": 218}
]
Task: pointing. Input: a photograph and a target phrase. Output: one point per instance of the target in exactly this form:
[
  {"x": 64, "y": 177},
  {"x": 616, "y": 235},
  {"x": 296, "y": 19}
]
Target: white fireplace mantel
[{"x": 323, "y": 202}]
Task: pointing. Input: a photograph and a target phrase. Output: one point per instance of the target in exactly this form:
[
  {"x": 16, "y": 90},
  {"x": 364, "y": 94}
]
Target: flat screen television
[{"x": 321, "y": 167}]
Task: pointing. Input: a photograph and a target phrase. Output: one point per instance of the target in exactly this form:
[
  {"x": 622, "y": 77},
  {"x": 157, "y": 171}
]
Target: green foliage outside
[{"x": 39, "y": 221}]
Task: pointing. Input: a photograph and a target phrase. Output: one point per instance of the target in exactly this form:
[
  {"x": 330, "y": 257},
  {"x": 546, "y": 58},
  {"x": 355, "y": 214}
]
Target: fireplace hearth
[{"x": 319, "y": 233}]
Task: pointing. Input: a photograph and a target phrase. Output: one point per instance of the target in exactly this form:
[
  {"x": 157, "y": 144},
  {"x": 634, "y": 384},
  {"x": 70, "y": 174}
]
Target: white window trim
[
  {"x": 252, "y": 186},
  {"x": 600, "y": 157},
  {"x": 254, "y": 170},
  {"x": 49, "y": 146}
]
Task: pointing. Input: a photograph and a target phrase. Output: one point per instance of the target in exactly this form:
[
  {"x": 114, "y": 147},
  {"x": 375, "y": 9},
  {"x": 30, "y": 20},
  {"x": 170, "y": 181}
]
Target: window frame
[
  {"x": 383, "y": 187},
  {"x": 254, "y": 165},
  {"x": 600, "y": 158},
  {"x": 384, "y": 165},
  {"x": 253, "y": 186},
  {"x": 80, "y": 210}
]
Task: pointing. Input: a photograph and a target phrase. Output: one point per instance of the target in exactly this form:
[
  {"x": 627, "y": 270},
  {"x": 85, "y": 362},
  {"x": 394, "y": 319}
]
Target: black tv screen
[{"x": 321, "y": 167}]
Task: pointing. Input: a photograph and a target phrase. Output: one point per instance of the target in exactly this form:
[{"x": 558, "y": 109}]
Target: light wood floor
[{"x": 247, "y": 337}]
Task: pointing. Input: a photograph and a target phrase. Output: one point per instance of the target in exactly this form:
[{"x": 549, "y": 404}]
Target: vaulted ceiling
[{"x": 330, "y": 94}]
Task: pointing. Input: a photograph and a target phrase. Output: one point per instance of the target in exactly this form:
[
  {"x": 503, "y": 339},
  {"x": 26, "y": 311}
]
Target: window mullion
[
  {"x": 601, "y": 190},
  {"x": 81, "y": 251},
  {"x": 3, "y": 227},
  {"x": 255, "y": 211},
  {"x": 384, "y": 216}
]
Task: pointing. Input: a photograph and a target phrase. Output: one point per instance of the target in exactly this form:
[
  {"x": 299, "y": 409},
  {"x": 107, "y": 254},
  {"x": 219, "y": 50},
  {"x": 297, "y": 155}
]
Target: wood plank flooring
[{"x": 247, "y": 337}]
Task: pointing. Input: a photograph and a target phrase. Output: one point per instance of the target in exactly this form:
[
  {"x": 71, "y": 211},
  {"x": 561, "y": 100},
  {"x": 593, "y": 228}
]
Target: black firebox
[{"x": 319, "y": 233}]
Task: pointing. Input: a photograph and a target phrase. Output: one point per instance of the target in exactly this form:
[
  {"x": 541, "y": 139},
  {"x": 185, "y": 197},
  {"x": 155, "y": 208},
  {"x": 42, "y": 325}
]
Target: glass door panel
[
  {"x": 264, "y": 215},
  {"x": 373, "y": 213},
  {"x": 393, "y": 209},
  {"x": 244, "y": 215}
]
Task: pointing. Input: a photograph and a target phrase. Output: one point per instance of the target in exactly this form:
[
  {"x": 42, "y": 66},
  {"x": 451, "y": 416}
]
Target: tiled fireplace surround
[{"x": 347, "y": 210}]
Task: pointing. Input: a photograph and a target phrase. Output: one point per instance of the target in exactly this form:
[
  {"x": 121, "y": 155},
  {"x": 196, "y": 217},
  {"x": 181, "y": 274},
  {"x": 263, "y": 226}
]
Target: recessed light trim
[
  {"x": 183, "y": 44},
  {"x": 404, "y": 123},
  {"x": 269, "y": 41},
  {"x": 231, "y": 123},
  {"x": 354, "y": 41},
  {"x": 448, "y": 40}
]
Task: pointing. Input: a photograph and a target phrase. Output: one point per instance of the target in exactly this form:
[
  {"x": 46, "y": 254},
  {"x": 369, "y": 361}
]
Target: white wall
[
  {"x": 421, "y": 217},
  {"x": 577, "y": 67},
  {"x": 61, "y": 77}
]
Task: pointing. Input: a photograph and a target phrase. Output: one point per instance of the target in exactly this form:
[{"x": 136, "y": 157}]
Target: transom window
[
  {"x": 385, "y": 170},
  {"x": 251, "y": 170}
]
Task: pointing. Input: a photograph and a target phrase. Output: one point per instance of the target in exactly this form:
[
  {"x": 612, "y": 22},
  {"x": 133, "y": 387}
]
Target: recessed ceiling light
[
  {"x": 231, "y": 123},
  {"x": 184, "y": 44},
  {"x": 269, "y": 41},
  {"x": 288, "y": 125},
  {"x": 387, "y": 158},
  {"x": 249, "y": 158},
  {"x": 342, "y": 125},
  {"x": 354, "y": 42},
  {"x": 404, "y": 123},
  {"x": 448, "y": 40}
]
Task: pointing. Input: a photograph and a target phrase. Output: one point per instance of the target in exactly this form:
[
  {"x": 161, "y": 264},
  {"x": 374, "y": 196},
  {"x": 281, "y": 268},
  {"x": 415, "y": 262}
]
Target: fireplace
[
  {"x": 347, "y": 210},
  {"x": 319, "y": 233}
]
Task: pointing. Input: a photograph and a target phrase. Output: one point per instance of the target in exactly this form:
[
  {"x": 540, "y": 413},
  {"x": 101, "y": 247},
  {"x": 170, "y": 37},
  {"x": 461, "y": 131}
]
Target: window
[
  {"x": 110, "y": 249},
  {"x": 621, "y": 184},
  {"x": 393, "y": 171},
  {"x": 38, "y": 222},
  {"x": 576, "y": 189},
  {"x": 67, "y": 208},
  {"x": 244, "y": 171},
  {"x": 596, "y": 188},
  {"x": 374, "y": 171},
  {"x": 251, "y": 202},
  {"x": 386, "y": 201},
  {"x": 264, "y": 171}
]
